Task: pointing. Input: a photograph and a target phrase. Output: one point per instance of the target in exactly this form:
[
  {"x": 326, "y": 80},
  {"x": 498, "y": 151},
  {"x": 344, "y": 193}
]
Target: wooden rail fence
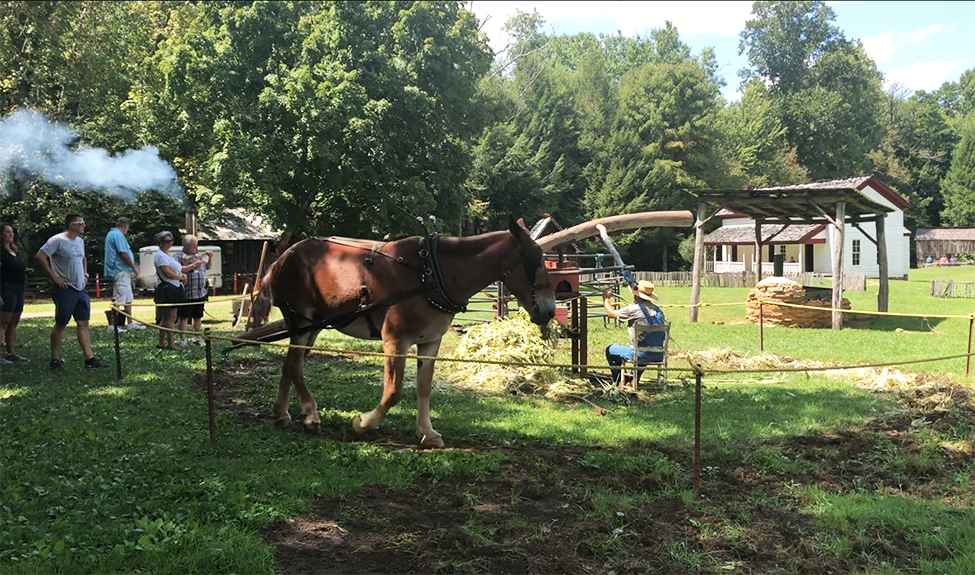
[
  {"x": 851, "y": 282},
  {"x": 952, "y": 289}
]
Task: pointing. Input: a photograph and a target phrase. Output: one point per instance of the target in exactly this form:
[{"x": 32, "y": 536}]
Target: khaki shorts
[{"x": 122, "y": 289}]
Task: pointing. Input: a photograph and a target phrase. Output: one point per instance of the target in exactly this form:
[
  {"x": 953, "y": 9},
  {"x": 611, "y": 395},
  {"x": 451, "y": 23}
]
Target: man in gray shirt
[{"x": 63, "y": 259}]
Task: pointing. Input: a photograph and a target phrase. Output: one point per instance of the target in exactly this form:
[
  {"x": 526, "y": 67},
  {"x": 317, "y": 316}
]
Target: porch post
[
  {"x": 698, "y": 259},
  {"x": 758, "y": 251},
  {"x": 839, "y": 224},
  {"x": 883, "y": 293}
]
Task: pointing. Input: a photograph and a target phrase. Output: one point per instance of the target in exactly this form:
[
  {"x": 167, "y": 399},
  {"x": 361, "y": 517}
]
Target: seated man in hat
[{"x": 643, "y": 311}]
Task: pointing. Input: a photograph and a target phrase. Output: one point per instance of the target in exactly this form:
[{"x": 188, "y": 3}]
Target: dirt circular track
[{"x": 536, "y": 513}]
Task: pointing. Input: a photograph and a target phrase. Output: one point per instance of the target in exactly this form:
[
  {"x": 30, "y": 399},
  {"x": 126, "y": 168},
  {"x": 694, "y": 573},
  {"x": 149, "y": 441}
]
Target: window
[
  {"x": 782, "y": 249},
  {"x": 856, "y": 252}
]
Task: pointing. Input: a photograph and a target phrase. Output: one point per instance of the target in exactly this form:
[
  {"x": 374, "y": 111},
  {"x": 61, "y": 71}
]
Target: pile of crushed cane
[
  {"x": 924, "y": 392},
  {"x": 516, "y": 340}
]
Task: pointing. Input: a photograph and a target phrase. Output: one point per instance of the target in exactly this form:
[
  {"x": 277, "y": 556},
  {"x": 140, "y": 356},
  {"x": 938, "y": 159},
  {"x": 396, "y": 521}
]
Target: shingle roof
[
  {"x": 746, "y": 234},
  {"x": 854, "y": 182},
  {"x": 236, "y": 224},
  {"x": 945, "y": 234}
]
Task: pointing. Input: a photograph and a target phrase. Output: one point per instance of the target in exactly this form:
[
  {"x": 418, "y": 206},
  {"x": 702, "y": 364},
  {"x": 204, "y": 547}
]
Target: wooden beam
[
  {"x": 702, "y": 208},
  {"x": 865, "y": 234},
  {"x": 671, "y": 219},
  {"x": 838, "y": 265},
  {"x": 784, "y": 226},
  {"x": 883, "y": 294},
  {"x": 823, "y": 213}
]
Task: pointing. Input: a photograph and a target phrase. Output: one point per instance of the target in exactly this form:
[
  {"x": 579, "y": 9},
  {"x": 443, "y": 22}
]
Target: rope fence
[{"x": 696, "y": 369}]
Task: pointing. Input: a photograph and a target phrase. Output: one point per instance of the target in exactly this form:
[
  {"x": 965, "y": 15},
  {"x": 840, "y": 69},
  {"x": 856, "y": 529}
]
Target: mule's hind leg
[
  {"x": 424, "y": 385},
  {"x": 392, "y": 385}
]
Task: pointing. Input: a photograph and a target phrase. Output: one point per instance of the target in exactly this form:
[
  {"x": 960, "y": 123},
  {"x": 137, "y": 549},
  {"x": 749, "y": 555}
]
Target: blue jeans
[{"x": 616, "y": 354}]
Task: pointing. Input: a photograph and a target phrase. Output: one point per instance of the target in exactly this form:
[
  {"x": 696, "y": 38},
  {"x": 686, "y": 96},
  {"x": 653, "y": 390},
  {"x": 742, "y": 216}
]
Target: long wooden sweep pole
[{"x": 257, "y": 282}]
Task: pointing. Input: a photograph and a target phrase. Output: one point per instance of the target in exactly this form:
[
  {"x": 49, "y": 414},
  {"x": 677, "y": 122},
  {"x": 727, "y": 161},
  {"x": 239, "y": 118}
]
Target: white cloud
[
  {"x": 630, "y": 18},
  {"x": 882, "y": 46},
  {"x": 922, "y": 35},
  {"x": 926, "y": 75}
]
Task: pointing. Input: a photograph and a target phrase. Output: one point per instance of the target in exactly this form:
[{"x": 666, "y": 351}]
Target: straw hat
[{"x": 644, "y": 291}]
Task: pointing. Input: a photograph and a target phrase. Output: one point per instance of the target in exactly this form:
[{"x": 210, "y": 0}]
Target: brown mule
[{"x": 404, "y": 292}]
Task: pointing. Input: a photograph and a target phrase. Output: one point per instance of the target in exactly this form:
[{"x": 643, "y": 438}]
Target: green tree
[
  {"x": 334, "y": 117},
  {"x": 755, "y": 142},
  {"x": 827, "y": 90},
  {"x": 958, "y": 187}
]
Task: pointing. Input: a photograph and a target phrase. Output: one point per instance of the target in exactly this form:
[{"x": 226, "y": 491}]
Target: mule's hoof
[
  {"x": 283, "y": 422},
  {"x": 434, "y": 441},
  {"x": 357, "y": 425},
  {"x": 313, "y": 425}
]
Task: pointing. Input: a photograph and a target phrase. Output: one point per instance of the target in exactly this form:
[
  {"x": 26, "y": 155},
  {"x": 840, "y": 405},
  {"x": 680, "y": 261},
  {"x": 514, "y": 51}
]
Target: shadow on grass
[{"x": 893, "y": 323}]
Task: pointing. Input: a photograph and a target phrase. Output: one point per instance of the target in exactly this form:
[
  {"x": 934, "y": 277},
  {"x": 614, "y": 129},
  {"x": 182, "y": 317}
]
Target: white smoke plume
[{"x": 33, "y": 146}]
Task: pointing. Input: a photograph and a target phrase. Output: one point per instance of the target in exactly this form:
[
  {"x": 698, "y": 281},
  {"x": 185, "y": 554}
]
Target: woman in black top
[{"x": 13, "y": 280}]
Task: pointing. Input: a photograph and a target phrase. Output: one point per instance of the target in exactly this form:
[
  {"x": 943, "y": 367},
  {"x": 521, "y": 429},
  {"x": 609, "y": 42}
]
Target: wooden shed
[
  {"x": 938, "y": 242},
  {"x": 241, "y": 238}
]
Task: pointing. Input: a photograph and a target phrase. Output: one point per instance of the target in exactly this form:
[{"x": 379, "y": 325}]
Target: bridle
[{"x": 530, "y": 270}]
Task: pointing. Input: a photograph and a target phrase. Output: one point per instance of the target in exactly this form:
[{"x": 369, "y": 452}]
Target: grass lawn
[{"x": 802, "y": 474}]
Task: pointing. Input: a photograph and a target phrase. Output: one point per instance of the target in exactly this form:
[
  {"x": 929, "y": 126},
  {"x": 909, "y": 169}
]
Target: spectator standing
[
  {"x": 13, "y": 282},
  {"x": 63, "y": 259},
  {"x": 195, "y": 267},
  {"x": 169, "y": 289},
  {"x": 120, "y": 266}
]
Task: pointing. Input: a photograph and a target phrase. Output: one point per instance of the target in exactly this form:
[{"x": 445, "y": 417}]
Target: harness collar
[{"x": 431, "y": 278}]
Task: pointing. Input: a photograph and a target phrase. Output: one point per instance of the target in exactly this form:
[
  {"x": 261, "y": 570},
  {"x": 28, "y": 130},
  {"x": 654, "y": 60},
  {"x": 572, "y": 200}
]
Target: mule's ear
[{"x": 514, "y": 226}]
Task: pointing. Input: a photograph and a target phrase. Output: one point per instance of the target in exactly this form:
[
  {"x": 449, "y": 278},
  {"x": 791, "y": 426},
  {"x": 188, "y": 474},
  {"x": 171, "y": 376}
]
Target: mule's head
[{"x": 526, "y": 277}]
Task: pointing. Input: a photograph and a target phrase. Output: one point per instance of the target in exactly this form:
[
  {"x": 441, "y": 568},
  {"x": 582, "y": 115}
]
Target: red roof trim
[
  {"x": 808, "y": 238},
  {"x": 888, "y": 194}
]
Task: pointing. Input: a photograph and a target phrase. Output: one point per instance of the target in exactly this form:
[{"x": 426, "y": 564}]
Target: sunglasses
[{"x": 77, "y": 223}]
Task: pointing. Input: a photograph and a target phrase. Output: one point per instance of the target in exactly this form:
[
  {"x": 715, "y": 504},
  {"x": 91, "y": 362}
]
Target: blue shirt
[{"x": 115, "y": 244}]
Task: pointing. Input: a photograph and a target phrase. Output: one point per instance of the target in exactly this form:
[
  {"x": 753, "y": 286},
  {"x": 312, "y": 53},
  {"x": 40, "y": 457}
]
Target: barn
[{"x": 943, "y": 242}]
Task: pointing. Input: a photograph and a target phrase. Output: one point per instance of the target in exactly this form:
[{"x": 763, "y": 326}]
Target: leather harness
[{"x": 432, "y": 286}]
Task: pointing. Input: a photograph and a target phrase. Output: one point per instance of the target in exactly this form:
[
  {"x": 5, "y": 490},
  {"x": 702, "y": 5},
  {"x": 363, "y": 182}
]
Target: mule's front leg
[
  {"x": 392, "y": 386},
  {"x": 424, "y": 385},
  {"x": 294, "y": 372}
]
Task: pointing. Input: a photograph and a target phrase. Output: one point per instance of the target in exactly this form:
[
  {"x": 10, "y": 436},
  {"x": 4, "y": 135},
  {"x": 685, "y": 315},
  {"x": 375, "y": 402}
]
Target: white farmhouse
[{"x": 808, "y": 247}]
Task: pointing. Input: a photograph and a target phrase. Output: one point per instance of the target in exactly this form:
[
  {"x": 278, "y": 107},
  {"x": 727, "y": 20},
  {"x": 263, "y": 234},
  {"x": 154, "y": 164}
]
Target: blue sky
[{"x": 918, "y": 45}]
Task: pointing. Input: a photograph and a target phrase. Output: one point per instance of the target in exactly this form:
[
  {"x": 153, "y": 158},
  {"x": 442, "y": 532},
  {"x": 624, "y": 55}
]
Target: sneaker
[
  {"x": 111, "y": 329},
  {"x": 14, "y": 356},
  {"x": 5, "y": 361},
  {"x": 184, "y": 343},
  {"x": 135, "y": 326},
  {"x": 93, "y": 362},
  {"x": 56, "y": 365},
  {"x": 199, "y": 341}
]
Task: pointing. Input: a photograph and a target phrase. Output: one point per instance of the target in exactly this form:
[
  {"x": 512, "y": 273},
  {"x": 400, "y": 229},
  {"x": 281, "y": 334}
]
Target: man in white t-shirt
[{"x": 63, "y": 259}]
